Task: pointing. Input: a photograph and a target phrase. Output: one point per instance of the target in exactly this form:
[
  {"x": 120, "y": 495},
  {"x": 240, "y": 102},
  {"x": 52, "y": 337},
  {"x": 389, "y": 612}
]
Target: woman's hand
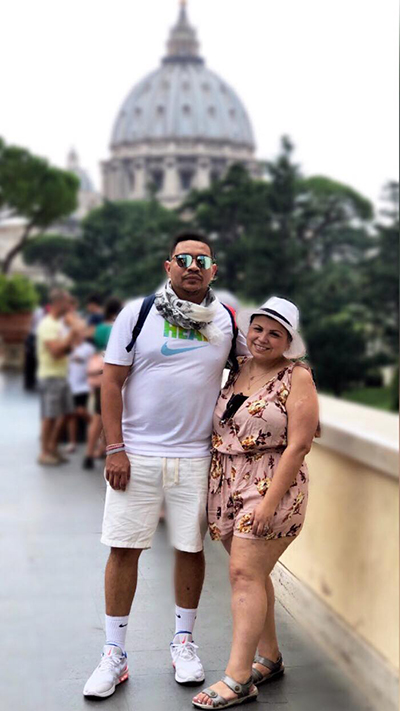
[{"x": 261, "y": 517}]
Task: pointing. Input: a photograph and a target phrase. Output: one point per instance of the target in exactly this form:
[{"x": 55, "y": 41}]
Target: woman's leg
[
  {"x": 94, "y": 433},
  {"x": 227, "y": 543},
  {"x": 251, "y": 561},
  {"x": 72, "y": 428},
  {"x": 268, "y": 643}
]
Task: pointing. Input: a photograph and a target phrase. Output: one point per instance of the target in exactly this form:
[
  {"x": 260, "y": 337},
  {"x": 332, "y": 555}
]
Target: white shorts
[{"x": 131, "y": 516}]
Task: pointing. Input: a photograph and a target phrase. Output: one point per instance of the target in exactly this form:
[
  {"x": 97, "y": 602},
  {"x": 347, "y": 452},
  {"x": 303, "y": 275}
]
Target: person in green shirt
[{"x": 102, "y": 331}]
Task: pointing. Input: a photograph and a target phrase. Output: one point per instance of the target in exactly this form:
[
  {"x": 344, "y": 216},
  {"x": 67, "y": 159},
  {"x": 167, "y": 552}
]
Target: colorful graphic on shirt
[
  {"x": 171, "y": 331},
  {"x": 177, "y": 333}
]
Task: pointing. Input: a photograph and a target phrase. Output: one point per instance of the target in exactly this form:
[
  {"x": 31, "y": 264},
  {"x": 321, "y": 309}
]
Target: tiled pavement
[{"x": 51, "y": 598}]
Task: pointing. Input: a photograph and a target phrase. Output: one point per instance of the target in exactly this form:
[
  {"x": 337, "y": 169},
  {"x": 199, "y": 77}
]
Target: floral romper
[{"x": 246, "y": 452}]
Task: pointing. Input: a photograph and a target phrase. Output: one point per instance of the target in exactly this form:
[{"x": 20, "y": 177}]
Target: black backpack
[{"x": 148, "y": 302}]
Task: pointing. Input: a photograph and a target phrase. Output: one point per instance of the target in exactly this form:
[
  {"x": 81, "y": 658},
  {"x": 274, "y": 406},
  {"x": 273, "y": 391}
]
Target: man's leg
[
  {"x": 189, "y": 578},
  {"x": 120, "y": 588},
  {"x": 72, "y": 426},
  {"x": 130, "y": 519},
  {"x": 47, "y": 428},
  {"x": 186, "y": 502},
  {"x": 55, "y": 434},
  {"x": 121, "y": 580}
]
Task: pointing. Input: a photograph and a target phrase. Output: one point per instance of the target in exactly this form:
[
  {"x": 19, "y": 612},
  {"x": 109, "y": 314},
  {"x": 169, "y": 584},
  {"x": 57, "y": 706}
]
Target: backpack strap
[
  {"x": 148, "y": 302},
  {"x": 232, "y": 359}
]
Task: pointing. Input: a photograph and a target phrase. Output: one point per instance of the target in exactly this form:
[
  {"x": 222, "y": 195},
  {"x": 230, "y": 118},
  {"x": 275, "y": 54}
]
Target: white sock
[
  {"x": 184, "y": 619},
  {"x": 116, "y": 630}
]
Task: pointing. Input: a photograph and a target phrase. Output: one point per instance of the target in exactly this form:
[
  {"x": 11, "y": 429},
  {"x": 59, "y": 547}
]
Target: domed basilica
[{"x": 179, "y": 128}]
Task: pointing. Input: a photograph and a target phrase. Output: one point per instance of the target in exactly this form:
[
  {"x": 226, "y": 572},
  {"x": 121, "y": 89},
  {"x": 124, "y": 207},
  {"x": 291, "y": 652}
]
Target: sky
[{"x": 322, "y": 71}]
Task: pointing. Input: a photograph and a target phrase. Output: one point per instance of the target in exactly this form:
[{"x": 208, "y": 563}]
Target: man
[
  {"x": 95, "y": 313},
  {"x": 157, "y": 406},
  {"x": 53, "y": 346}
]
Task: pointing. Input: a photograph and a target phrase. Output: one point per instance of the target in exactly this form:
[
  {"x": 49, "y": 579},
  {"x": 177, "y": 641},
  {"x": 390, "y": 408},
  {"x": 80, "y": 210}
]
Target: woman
[
  {"x": 264, "y": 424},
  {"x": 101, "y": 334}
]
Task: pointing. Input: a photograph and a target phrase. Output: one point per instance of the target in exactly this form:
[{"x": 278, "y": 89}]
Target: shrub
[{"x": 17, "y": 294}]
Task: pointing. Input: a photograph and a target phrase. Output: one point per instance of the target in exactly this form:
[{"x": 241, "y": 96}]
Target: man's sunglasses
[{"x": 184, "y": 261}]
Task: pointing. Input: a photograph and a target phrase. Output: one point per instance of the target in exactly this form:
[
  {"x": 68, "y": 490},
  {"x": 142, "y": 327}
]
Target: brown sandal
[{"x": 276, "y": 669}]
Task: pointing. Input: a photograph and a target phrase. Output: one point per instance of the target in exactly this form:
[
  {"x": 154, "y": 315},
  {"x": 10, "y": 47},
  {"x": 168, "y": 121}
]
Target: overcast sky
[{"x": 322, "y": 71}]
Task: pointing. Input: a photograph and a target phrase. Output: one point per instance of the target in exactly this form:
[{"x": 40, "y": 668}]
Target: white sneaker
[
  {"x": 113, "y": 669},
  {"x": 187, "y": 665}
]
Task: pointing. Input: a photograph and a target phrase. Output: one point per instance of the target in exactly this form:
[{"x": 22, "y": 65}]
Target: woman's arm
[{"x": 302, "y": 412}]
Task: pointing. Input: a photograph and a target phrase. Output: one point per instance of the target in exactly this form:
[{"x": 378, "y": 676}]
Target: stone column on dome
[
  {"x": 105, "y": 178},
  {"x": 139, "y": 189},
  {"x": 125, "y": 182},
  {"x": 119, "y": 181},
  {"x": 112, "y": 181},
  {"x": 202, "y": 179},
  {"x": 171, "y": 189}
]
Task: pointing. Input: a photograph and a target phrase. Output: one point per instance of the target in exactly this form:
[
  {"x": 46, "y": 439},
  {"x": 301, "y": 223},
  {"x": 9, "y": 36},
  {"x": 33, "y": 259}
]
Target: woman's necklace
[{"x": 254, "y": 378}]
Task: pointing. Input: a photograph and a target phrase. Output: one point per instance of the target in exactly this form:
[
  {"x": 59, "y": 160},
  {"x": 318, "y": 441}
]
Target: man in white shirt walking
[{"x": 157, "y": 403}]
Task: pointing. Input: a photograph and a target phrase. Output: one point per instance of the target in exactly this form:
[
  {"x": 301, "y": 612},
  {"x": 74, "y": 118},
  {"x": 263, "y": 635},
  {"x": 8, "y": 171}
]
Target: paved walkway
[{"x": 51, "y": 598}]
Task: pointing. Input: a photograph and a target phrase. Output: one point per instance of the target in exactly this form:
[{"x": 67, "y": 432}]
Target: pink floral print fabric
[{"x": 245, "y": 456}]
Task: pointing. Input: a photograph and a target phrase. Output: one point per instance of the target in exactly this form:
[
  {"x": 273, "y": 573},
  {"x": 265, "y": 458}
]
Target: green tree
[
  {"x": 122, "y": 249},
  {"x": 271, "y": 234},
  {"x": 337, "y": 347},
  {"x": 332, "y": 220},
  {"x": 382, "y": 274},
  {"x": 51, "y": 252},
  {"x": 336, "y": 326},
  {"x": 31, "y": 188},
  {"x": 277, "y": 252},
  {"x": 229, "y": 211}
]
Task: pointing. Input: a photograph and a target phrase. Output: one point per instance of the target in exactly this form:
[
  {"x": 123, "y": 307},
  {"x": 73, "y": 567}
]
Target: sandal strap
[
  {"x": 257, "y": 676},
  {"x": 218, "y": 700},
  {"x": 239, "y": 689},
  {"x": 273, "y": 666},
  {"x": 210, "y": 692}
]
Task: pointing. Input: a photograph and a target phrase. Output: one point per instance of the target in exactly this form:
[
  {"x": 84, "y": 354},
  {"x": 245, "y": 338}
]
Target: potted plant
[{"x": 18, "y": 298}]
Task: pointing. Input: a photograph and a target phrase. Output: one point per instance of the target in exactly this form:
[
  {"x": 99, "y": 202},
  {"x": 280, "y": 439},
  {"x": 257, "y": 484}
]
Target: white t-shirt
[
  {"x": 77, "y": 368},
  {"x": 171, "y": 391}
]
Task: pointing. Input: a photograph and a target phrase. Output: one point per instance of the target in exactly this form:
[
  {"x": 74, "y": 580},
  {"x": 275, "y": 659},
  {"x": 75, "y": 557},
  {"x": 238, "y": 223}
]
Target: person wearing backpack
[{"x": 162, "y": 376}]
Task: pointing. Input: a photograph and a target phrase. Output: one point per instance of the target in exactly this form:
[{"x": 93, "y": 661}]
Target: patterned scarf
[{"x": 189, "y": 315}]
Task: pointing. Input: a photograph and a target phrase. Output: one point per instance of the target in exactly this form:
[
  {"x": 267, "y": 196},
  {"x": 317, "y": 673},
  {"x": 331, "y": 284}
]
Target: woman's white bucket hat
[{"x": 283, "y": 311}]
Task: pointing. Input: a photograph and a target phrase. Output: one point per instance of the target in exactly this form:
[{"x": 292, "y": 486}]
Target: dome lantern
[{"x": 182, "y": 45}]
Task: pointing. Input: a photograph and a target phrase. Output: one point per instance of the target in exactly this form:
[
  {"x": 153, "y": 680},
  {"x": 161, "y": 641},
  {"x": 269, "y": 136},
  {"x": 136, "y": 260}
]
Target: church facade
[{"x": 180, "y": 128}]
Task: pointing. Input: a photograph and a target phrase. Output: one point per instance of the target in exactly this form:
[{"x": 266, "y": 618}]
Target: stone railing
[{"x": 341, "y": 576}]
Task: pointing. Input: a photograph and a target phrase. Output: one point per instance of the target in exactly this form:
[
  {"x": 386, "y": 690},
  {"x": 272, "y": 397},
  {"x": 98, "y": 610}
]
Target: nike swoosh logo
[
  {"x": 167, "y": 351},
  {"x": 124, "y": 625}
]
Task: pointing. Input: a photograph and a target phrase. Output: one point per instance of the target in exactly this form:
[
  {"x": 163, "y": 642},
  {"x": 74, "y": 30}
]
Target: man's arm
[
  {"x": 117, "y": 465},
  {"x": 241, "y": 345},
  {"x": 60, "y": 347}
]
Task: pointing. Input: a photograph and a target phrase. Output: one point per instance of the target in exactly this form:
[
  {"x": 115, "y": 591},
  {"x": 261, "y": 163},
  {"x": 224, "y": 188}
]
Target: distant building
[
  {"x": 88, "y": 198},
  {"x": 179, "y": 128}
]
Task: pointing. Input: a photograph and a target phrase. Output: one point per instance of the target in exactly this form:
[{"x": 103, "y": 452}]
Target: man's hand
[
  {"x": 118, "y": 471},
  {"x": 261, "y": 517}
]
